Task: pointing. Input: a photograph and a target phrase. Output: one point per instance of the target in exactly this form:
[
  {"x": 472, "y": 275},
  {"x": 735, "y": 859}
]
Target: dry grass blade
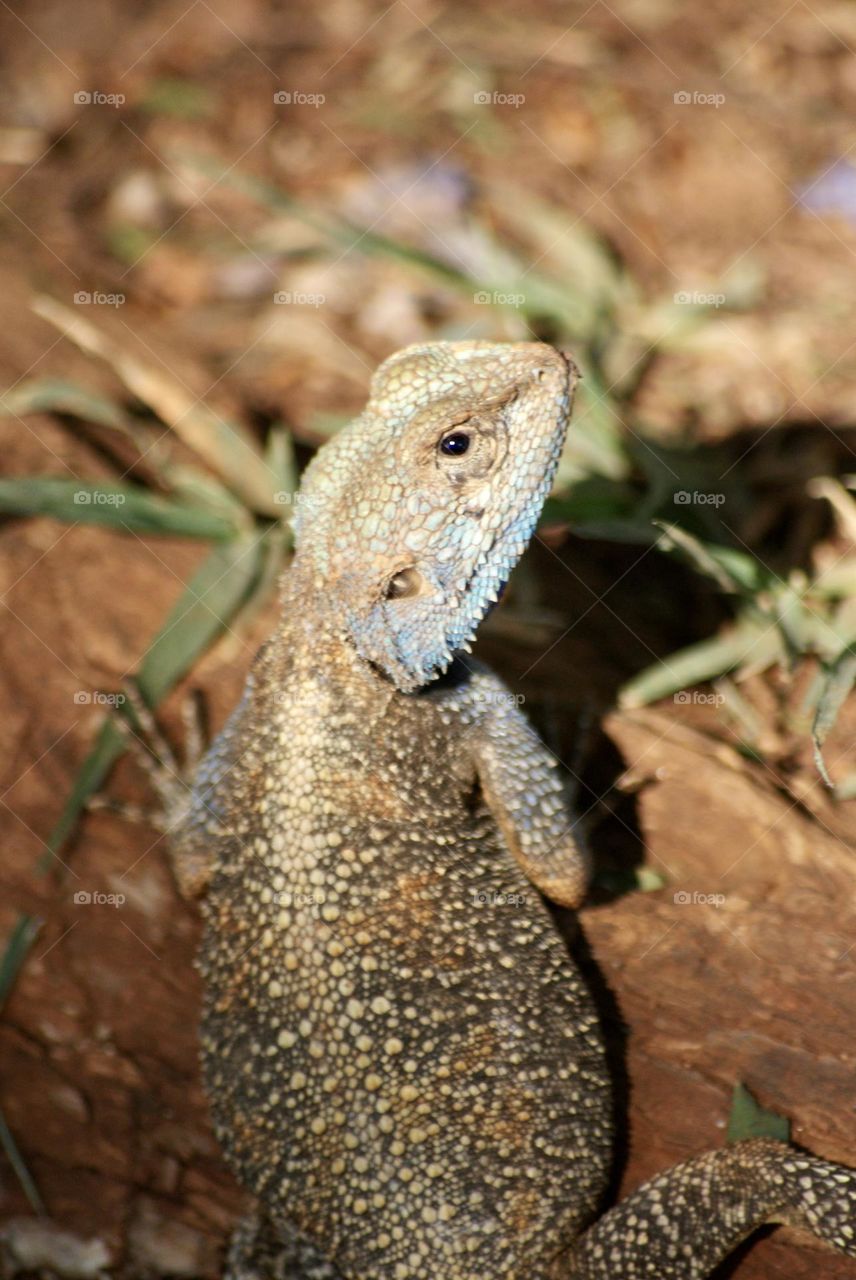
[
  {"x": 224, "y": 446},
  {"x": 750, "y": 641}
]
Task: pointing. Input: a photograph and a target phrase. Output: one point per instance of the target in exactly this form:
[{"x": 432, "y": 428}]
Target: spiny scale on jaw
[{"x": 377, "y": 501}]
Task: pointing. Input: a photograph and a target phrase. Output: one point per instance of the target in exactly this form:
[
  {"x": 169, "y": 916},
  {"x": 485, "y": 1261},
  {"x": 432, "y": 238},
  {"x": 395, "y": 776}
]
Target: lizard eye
[
  {"x": 455, "y": 444},
  {"x": 469, "y": 450}
]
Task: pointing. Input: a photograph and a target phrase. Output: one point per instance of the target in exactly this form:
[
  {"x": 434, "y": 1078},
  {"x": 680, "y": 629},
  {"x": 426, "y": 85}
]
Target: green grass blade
[
  {"x": 574, "y": 253},
  {"x": 277, "y": 544},
  {"x": 123, "y": 507},
  {"x": 594, "y": 497},
  {"x": 173, "y": 96},
  {"x": 335, "y": 229},
  {"x": 16, "y": 1160},
  {"x": 109, "y": 745},
  {"x": 599, "y": 444},
  {"x": 205, "y": 608},
  {"x": 748, "y": 1119},
  {"x": 198, "y": 489},
  {"x": 55, "y": 395},
  {"x": 749, "y": 639},
  {"x": 732, "y": 571},
  {"x": 280, "y": 457},
  {"x": 24, "y": 933},
  {"x": 596, "y": 442},
  {"x": 836, "y": 689}
]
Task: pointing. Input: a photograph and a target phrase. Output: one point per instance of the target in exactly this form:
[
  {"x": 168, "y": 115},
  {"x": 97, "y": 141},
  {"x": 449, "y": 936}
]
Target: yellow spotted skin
[
  {"x": 398, "y": 1067},
  {"x": 404, "y": 1066}
]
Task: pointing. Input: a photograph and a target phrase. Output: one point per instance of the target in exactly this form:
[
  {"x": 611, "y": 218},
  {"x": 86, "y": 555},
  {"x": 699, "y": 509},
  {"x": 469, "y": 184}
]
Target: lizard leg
[
  {"x": 523, "y": 790},
  {"x": 258, "y": 1251},
  {"x": 684, "y": 1222}
]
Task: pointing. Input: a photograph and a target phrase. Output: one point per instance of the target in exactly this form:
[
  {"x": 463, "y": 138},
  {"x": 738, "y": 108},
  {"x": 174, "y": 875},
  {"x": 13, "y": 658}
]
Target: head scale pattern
[{"x": 412, "y": 518}]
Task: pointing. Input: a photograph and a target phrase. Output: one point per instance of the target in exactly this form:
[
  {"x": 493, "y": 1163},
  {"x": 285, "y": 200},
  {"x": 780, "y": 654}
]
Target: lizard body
[{"x": 404, "y": 1066}]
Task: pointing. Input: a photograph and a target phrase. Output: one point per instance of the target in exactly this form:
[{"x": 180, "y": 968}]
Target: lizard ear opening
[{"x": 405, "y": 583}]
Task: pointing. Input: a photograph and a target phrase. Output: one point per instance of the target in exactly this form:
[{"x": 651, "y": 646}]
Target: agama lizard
[{"x": 411, "y": 1085}]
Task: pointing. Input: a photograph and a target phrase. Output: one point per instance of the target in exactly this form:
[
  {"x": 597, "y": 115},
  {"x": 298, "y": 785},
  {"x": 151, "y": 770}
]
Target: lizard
[{"x": 409, "y": 1082}]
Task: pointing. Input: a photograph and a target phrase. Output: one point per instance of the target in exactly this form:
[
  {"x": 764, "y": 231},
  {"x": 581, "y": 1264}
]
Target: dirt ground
[{"x": 741, "y": 965}]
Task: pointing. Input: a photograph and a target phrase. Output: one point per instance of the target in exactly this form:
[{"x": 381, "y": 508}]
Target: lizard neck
[{"x": 312, "y": 636}]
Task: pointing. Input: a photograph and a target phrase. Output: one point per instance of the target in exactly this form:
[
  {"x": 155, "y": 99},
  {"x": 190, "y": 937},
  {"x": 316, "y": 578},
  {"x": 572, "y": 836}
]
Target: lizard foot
[
  {"x": 172, "y": 778},
  {"x": 171, "y": 774}
]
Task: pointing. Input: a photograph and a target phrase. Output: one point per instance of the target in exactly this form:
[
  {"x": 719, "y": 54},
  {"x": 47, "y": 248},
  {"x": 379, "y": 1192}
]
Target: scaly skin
[{"x": 404, "y": 1065}]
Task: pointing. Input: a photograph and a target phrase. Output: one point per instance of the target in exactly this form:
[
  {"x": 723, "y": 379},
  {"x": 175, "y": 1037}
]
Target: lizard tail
[{"x": 684, "y": 1222}]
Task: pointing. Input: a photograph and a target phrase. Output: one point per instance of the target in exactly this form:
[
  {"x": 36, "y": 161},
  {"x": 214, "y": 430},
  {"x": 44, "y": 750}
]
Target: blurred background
[{"x": 217, "y": 219}]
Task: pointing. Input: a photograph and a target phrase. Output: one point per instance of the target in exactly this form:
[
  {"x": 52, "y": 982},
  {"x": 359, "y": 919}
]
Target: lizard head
[{"x": 412, "y": 518}]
